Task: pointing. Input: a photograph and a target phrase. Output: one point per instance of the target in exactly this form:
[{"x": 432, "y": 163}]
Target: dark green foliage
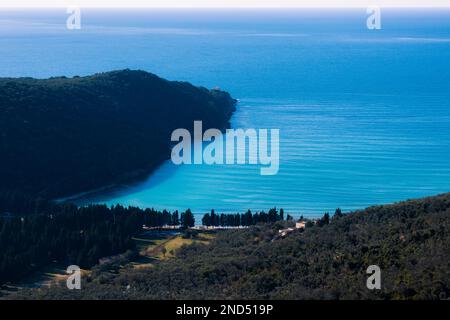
[
  {"x": 61, "y": 136},
  {"x": 67, "y": 233},
  {"x": 324, "y": 220},
  {"x": 409, "y": 241},
  {"x": 246, "y": 219},
  {"x": 187, "y": 219},
  {"x": 189, "y": 234}
]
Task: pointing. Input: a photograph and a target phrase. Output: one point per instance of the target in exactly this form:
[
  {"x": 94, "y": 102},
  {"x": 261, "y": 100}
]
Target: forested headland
[{"x": 62, "y": 136}]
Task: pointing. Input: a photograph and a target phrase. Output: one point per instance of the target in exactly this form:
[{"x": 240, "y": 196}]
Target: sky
[{"x": 224, "y": 3}]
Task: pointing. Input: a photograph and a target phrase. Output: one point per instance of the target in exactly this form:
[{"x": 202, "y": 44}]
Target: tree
[
  {"x": 206, "y": 220},
  {"x": 324, "y": 220},
  {"x": 223, "y": 220},
  {"x": 175, "y": 218},
  {"x": 273, "y": 215},
  {"x": 214, "y": 219},
  {"x": 187, "y": 219}
]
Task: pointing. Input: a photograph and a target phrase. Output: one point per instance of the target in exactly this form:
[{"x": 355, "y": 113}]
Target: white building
[{"x": 300, "y": 225}]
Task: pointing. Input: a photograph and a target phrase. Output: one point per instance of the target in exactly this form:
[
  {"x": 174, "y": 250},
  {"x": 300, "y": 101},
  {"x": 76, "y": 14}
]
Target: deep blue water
[{"x": 364, "y": 116}]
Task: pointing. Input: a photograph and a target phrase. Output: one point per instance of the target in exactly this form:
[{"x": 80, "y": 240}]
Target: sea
[{"x": 363, "y": 114}]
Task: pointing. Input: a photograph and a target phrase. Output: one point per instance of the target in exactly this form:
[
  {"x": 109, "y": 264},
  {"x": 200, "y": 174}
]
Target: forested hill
[
  {"x": 409, "y": 241},
  {"x": 61, "y": 136}
]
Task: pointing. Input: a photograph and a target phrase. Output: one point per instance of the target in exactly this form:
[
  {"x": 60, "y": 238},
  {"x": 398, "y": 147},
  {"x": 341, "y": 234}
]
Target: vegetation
[
  {"x": 36, "y": 232},
  {"x": 187, "y": 219},
  {"x": 177, "y": 242},
  {"x": 70, "y": 234},
  {"x": 246, "y": 219},
  {"x": 409, "y": 241},
  {"x": 62, "y": 136}
]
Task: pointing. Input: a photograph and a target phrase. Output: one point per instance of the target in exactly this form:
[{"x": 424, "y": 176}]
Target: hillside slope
[
  {"x": 409, "y": 241},
  {"x": 62, "y": 136}
]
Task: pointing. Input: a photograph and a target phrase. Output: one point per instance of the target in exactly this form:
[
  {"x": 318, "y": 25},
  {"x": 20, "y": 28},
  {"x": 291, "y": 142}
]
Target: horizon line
[
  {"x": 219, "y": 6},
  {"x": 231, "y": 7},
  {"x": 222, "y": 4}
]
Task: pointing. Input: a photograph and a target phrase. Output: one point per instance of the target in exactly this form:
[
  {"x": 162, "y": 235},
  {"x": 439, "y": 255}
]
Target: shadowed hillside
[
  {"x": 62, "y": 136},
  {"x": 409, "y": 241}
]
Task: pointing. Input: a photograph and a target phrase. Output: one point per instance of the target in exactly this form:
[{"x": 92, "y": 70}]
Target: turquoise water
[{"x": 364, "y": 116}]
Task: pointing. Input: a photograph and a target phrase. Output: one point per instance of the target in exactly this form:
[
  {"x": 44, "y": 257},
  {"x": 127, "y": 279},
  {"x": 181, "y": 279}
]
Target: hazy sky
[{"x": 224, "y": 3}]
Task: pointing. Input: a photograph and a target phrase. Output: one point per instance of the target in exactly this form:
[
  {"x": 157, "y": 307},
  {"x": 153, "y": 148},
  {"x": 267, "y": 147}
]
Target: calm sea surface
[{"x": 364, "y": 116}]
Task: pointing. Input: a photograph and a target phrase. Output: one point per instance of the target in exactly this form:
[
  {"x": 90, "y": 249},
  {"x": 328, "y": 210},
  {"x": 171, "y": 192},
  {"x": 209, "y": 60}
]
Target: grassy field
[
  {"x": 162, "y": 246},
  {"x": 152, "y": 246},
  {"x": 45, "y": 277}
]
